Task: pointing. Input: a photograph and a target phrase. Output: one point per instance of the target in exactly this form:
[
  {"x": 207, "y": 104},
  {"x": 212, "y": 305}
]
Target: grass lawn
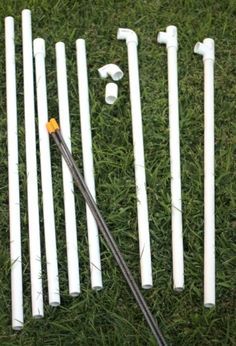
[{"x": 111, "y": 317}]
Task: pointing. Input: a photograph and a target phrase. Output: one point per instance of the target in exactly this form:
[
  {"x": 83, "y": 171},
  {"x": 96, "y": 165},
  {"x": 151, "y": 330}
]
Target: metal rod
[{"x": 79, "y": 180}]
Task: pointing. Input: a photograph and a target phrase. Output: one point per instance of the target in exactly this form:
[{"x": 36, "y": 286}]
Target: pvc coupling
[
  {"x": 206, "y": 49},
  {"x": 111, "y": 93},
  {"x": 169, "y": 37}
]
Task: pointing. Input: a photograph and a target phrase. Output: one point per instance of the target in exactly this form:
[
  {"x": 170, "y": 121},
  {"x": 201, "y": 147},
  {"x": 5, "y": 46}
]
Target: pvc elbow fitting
[
  {"x": 206, "y": 49},
  {"x": 111, "y": 93},
  {"x": 111, "y": 70},
  {"x": 39, "y": 47},
  {"x": 169, "y": 37},
  {"x": 128, "y": 35}
]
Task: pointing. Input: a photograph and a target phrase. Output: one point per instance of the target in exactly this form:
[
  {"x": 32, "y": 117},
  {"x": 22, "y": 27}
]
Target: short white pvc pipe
[
  {"x": 86, "y": 137},
  {"x": 68, "y": 187},
  {"x": 31, "y": 167},
  {"x": 207, "y": 50},
  {"x": 170, "y": 39},
  {"x": 111, "y": 93},
  {"x": 140, "y": 178},
  {"x": 13, "y": 180},
  {"x": 111, "y": 70},
  {"x": 46, "y": 174}
]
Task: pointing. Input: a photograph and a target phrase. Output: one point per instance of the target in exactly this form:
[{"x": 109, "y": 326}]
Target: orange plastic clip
[
  {"x": 50, "y": 127},
  {"x": 54, "y": 123}
]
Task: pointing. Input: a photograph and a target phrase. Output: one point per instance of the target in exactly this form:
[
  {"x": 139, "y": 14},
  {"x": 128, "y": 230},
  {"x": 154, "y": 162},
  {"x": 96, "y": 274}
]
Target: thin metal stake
[{"x": 54, "y": 130}]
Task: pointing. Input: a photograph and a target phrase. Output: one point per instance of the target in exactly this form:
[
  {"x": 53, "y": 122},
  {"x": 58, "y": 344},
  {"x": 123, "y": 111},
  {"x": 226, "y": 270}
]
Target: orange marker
[
  {"x": 50, "y": 127},
  {"x": 54, "y": 123}
]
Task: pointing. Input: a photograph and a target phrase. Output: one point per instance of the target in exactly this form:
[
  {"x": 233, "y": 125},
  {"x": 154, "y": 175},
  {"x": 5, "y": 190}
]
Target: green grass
[{"x": 111, "y": 316}]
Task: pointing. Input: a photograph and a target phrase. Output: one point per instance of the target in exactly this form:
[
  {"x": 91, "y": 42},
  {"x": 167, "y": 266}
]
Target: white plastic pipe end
[
  {"x": 170, "y": 37},
  {"x": 26, "y": 12},
  {"x": 110, "y": 70},
  {"x": 39, "y": 47},
  {"x": 206, "y": 49},
  {"x": 80, "y": 43},
  {"x": 9, "y": 20},
  {"x": 111, "y": 93},
  {"x": 60, "y": 45},
  {"x": 209, "y": 305},
  {"x": 9, "y": 28},
  {"x": 128, "y": 35}
]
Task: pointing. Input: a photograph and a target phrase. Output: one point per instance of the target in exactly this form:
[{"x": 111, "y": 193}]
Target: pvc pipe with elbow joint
[
  {"x": 139, "y": 164},
  {"x": 46, "y": 174},
  {"x": 111, "y": 70},
  {"x": 170, "y": 39},
  {"x": 13, "y": 180},
  {"x": 31, "y": 167},
  {"x": 68, "y": 186},
  {"x": 207, "y": 50},
  {"x": 86, "y": 137}
]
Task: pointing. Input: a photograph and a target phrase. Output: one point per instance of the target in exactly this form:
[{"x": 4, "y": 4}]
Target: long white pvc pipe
[
  {"x": 13, "y": 180},
  {"x": 207, "y": 50},
  {"x": 170, "y": 39},
  {"x": 69, "y": 199},
  {"x": 140, "y": 178},
  {"x": 86, "y": 137},
  {"x": 31, "y": 167},
  {"x": 46, "y": 174}
]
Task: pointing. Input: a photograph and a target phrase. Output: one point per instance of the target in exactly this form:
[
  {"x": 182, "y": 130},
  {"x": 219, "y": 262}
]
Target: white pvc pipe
[
  {"x": 13, "y": 180},
  {"x": 111, "y": 93},
  {"x": 31, "y": 167},
  {"x": 207, "y": 50},
  {"x": 46, "y": 174},
  {"x": 86, "y": 137},
  {"x": 140, "y": 178},
  {"x": 170, "y": 39},
  {"x": 68, "y": 187}
]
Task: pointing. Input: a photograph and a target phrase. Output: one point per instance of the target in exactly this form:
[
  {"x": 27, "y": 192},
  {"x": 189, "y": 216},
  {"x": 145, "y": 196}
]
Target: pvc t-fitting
[
  {"x": 111, "y": 70},
  {"x": 169, "y": 37},
  {"x": 206, "y": 49},
  {"x": 128, "y": 35},
  {"x": 39, "y": 47}
]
